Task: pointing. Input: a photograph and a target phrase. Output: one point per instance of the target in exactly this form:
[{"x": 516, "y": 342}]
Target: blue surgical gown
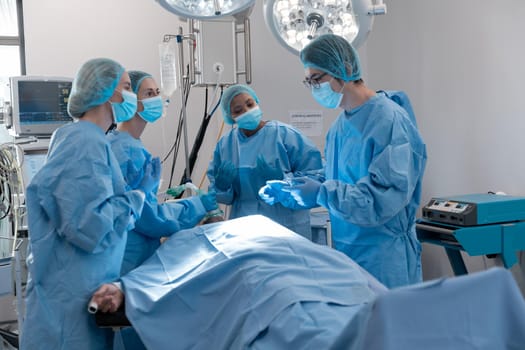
[
  {"x": 401, "y": 98},
  {"x": 79, "y": 213},
  {"x": 157, "y": 220},
  {"x": 278, "y": 143},
  {"x": 375, "y": 160},
  {"x": 247, "y": 283}
]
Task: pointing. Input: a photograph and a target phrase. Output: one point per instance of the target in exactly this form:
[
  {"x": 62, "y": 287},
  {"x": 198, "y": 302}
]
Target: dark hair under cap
[{"x": 228, "y": 96}]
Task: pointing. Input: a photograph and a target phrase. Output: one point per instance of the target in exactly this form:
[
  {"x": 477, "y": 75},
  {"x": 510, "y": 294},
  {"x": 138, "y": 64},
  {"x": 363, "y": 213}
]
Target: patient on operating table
[
  {"x": 243, "y": 283},
  {"x": 250, "y": 283}
]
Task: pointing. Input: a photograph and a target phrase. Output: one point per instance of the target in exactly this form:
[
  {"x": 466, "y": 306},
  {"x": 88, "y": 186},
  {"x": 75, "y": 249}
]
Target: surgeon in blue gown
[
  {"x": 256, "y": 151},
  {"x": 375, "y": 160},
  {"x": 79, "y": 212},
  {"x": 157, "y": 219}
]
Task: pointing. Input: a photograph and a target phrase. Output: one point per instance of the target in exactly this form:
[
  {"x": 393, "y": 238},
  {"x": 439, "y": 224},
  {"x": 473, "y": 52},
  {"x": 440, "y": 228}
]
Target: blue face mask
[
  {"x": 153, "y": 109},
  {"x": 326, "y": 97},
  {"x": 249, "y": 120},
  {"x": 125, "y": 110}
]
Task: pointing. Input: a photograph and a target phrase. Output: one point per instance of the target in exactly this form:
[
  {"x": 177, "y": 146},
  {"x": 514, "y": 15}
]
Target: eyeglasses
[{"x": 314, "y": 81}]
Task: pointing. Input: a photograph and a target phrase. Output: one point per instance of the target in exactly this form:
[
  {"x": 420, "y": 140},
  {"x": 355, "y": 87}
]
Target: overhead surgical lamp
[
  {"x": 206, "y": 9},
  {"x": 296, "y": 22}
]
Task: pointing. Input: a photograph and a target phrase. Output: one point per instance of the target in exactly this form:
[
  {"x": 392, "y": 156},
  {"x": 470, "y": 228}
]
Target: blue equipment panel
[
  {"x": 475, "y": 209},
  {"x": 479, "y": 224}
]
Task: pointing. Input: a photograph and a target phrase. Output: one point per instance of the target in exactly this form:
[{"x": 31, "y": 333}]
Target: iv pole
[{"x": 180, "y": 38}]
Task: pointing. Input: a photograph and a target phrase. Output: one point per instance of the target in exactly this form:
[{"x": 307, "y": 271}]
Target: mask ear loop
[{"x": 342, "y": 87}]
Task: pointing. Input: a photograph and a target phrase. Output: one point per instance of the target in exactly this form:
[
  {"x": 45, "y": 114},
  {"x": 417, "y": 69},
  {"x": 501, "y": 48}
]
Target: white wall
[{"x": 459, "y": 61}]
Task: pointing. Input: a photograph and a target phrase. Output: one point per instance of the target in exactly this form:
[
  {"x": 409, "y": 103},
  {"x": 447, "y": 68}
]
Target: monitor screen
[{"x": 39, "y": 104}]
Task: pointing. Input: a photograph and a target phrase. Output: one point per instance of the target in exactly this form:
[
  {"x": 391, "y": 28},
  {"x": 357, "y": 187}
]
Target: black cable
[
  {"x": 186, "y": 87},
  {"x": 200, "y": 135},
  {"x": 194, "y": 148}
]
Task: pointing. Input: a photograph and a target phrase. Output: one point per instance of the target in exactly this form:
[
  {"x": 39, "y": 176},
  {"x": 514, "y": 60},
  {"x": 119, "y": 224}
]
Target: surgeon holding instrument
[
  {"x": 80, "y": 210},
  {"x": 375, "y": 160},
  {"x": 254, "y": 152}
]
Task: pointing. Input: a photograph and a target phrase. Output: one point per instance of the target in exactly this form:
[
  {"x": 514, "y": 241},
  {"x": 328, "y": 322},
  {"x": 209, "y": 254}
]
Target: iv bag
[{"x": 168, "y": 68}]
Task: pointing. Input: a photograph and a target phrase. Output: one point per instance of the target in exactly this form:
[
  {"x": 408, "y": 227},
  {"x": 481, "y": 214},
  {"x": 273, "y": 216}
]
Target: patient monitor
[{"x": 38, "y": 105}]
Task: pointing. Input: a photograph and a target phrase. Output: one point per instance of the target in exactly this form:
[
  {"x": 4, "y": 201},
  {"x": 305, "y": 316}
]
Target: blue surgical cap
[
  {"x": 137, "y": 77},
  {"x": 228, "y": 96},
  {"x": 93, "y": 85},
  {"x": 334, "y": 55}
]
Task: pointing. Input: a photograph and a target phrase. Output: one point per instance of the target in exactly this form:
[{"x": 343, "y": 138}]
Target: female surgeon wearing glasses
[
  {"x": 79, "y": 212},
  {"x": 375, "y": 160},
  {"x": 257, "y": 151}
]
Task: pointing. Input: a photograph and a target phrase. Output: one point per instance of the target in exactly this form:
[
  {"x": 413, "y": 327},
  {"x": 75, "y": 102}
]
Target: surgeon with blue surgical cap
[
  {"x": 157, "y": 219},
  {"x": 375, "y": 160},
  {"x": 254, "y": 152},
  {"x": 80, "y": 210}
]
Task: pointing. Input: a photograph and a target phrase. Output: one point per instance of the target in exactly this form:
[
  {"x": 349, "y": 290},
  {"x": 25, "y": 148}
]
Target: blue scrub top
[
  {"x": 280, "y": 145},
  {"x": 157, "y": 219}
]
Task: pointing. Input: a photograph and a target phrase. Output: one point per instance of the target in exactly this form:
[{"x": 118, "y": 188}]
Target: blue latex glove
[
  {"x": 209, "y": 200},
  {"x": 305, "y": 190},
  {"x": 266, "y": 171},
  {"x": 295, "y": 193},
  {"x": 226, "y": 174},
  {"x": 150, "y": 180},
  {"x": 277, "y": 191}
]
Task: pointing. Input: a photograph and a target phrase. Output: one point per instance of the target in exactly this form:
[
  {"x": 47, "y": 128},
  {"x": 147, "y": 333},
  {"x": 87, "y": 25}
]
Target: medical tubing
[
  {"x": 198, "y": 140},
  {"x": 183, "y": 108},
  {"x": 219, "y": 135},
  {"x": 202, "y": 132},
  {"x": 186, "y": 88}
]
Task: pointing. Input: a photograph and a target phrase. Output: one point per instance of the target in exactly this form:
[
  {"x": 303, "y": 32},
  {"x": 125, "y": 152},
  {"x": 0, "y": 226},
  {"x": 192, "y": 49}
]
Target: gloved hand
[
  {"x": 295, "y": 193},
  {"x": 266, "y": 171},
  {"x": 225, "y": 175},
  {"x": 209, "y": 200},
  {"x": 272, "y": 192},
  {"x": 304, "y": 190},
  {"x": 151, "y": 178}
]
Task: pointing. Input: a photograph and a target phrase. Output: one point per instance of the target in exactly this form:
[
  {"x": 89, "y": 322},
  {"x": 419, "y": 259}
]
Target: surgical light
[
  {"x": 206, "y": 9},
  {"x": 296, "y": 22}
]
